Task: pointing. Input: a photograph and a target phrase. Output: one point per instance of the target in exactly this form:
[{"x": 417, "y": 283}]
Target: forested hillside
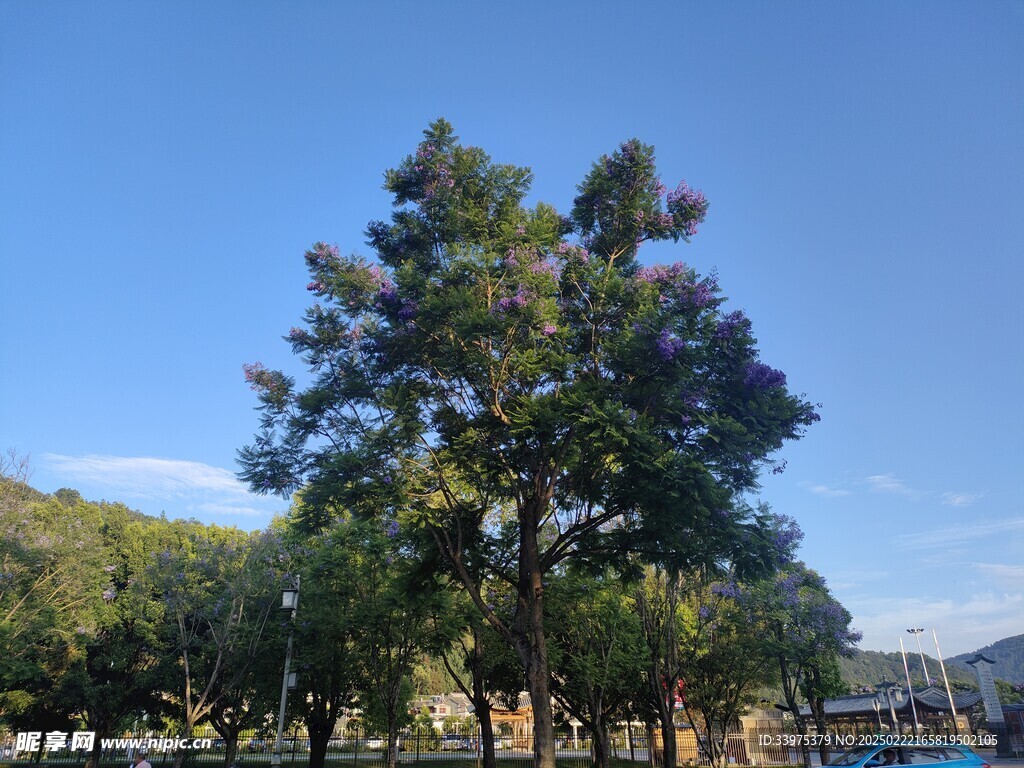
[
  {"x": 1008, "y": 654},
  {"x": 868, "y": 668}
]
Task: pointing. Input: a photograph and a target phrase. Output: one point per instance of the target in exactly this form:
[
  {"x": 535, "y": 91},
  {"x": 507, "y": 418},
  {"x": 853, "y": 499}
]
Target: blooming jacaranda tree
[
  {"x": 806, "y": 630},
  {"x": 516, "y": 384}
]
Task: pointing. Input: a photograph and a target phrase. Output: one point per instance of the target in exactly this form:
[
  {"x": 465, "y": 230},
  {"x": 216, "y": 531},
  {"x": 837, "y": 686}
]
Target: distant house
[{"x": 442, "y": 706}]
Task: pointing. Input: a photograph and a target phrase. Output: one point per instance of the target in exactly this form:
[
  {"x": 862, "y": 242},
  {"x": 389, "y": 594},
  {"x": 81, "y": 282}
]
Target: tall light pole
[
  {"x": 952, "y": 706},
  {"x": 916, "y": 632},
  {"x": 910, "y": 689},
  {"x": 289, "y": 603}
]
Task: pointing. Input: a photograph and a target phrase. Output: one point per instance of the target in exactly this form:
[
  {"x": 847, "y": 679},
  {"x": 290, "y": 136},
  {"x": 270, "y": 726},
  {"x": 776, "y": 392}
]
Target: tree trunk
[
  {"x": 392, "y": 755},
  {"x": 101, "y": 732},
  {"x": 818, "y": 710},
  {"x": 179, "y": 756},
  {"x": 318, "y": 743},
  {"x": 230, "y": 750},
  {"x": 668, "y": 737},
  {"x": 789, "y": 688},
  {"x": 532, "y": 645},
  {"x": 483, "y": 716},
  {"x": 600, "y": 746}
]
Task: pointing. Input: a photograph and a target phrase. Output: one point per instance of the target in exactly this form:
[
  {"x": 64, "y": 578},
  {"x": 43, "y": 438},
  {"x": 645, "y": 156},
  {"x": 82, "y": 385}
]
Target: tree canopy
[{"x": 516, "y": 383}]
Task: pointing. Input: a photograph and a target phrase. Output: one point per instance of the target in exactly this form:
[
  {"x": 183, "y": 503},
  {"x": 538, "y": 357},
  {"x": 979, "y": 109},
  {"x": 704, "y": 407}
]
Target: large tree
[{"x": 498, "y": 357}]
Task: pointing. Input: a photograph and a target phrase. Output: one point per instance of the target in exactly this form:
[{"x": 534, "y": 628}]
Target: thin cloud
[
  {"x": 951, "y": 499},
  {"x": 946, "y": 537},
  {"x": 819, "y": 489},
  {"x": 188, "y": 484},
  {"x": 1009, "y": 575},
  {"x": 227, "y": 509},
  {"x": 961, "y": 626},
  {"x": 888, "y": 483}
]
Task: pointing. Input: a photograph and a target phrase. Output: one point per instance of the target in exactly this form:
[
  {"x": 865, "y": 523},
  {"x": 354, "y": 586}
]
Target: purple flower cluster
[
  {"x": 109, "y": 594},
  {"x": 392, "y": 530},
  {"x": 321, "y": 255},
  {"x": 789, "y": 589},
  {"x": 549, "y": 330},
  {"x": 315, "y": 286},
  {"x": 704, "y": 613},
  {"x": 761, "y": 376},
  {"x": 387, "y": 292},
  {"x": 509, "y": 303},
  {"x": 669, "y": 346},
  {"x": 544, "y": 268},
  {"x": 688, "y": 206},
  {"x": 408, "y": 311},
  {"x": 786, "y": 534},
  {"x": 731, "y": 324},
  {"x": 662, "y": 275},
  {"x": 703, "y": 293},
  {"x": 727, "y": 589}
]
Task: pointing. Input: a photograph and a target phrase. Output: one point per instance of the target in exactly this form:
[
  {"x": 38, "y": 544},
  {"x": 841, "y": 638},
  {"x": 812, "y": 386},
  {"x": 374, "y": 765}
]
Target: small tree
[
  {"x": 723, "y": 661},
  {"x": 392, "y": 604},
  {"x": 806, "y": 630},
  {"x": 600, "y": 653},
  {"x": 219, "y": 586},
  {"x": 324, "y": 657}
]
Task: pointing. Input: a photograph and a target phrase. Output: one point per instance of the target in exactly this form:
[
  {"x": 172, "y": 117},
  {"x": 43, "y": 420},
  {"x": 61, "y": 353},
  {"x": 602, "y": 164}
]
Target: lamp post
[
  {"x": 289, "y": 603},
  {"x": 916, "y": 632},
  {"x": 910, "y": 689},
  {"x": 949, "y": 693}
]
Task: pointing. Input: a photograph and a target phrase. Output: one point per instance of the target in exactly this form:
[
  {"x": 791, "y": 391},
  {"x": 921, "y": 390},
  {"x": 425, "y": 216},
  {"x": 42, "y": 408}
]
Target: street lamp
[
  {"x": 916, "y": 632},
  {"x": 949, "y": 693},
  {"x": 289, "y": 604},
  {"x": 910, "y": 690}
]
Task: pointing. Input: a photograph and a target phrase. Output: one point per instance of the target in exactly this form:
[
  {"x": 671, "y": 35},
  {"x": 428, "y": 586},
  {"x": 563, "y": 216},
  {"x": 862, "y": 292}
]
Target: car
[
  {"x": 257, "y": 745},
  {"x": 915, "y": 753},
  {"x": 453, "y": 741}
]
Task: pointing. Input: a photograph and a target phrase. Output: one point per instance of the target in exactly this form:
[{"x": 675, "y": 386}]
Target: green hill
[
  {"x": 1008, "y": 654},
  {"x": 868, "y": 668}
]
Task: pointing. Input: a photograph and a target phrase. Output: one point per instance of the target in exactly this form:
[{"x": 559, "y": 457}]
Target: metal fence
[
  {"x": 432, "y": 750},
  {"x": 628, "y": 748}
]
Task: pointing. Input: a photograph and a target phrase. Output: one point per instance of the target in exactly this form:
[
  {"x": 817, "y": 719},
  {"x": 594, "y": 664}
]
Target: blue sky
[{"x": 164, "y": 165}]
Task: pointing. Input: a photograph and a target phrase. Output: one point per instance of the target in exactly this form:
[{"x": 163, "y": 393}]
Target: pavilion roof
[{"x": 931, "y": 698}]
